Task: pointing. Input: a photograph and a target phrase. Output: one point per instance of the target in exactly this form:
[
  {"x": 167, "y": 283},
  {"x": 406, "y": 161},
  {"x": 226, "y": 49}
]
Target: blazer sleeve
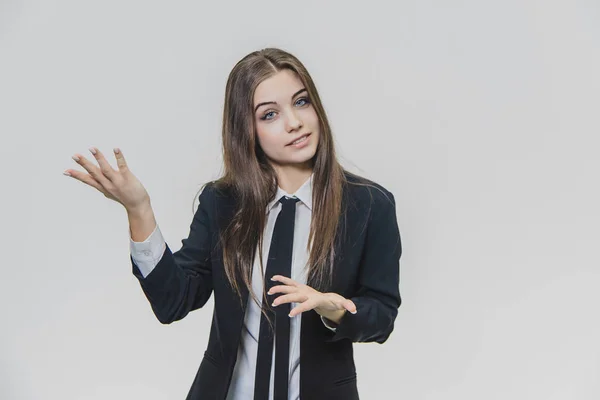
[
  {"x": 378, "y": 295},
  {"x": 182, "y": 281}
]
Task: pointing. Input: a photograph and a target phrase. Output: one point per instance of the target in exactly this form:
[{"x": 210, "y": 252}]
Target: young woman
[{"x": 315, "y": 248}]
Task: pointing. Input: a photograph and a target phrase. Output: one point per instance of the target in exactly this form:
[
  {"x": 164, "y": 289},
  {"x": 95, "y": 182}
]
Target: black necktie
[{"x": 278, "y": 263}]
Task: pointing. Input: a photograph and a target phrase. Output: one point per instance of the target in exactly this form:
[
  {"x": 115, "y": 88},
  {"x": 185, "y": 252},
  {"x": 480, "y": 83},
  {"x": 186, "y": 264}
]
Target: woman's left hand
[{"x": 327, "y": 305}]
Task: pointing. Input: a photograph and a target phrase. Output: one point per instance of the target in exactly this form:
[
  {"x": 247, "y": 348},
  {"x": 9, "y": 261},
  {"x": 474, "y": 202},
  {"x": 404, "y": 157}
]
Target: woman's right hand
[{"x": 118, "y": 185}]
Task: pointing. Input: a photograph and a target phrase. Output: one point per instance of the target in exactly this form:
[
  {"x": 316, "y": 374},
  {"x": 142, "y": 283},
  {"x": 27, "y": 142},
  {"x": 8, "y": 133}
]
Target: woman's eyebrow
[{"x": 274, "y": 102}]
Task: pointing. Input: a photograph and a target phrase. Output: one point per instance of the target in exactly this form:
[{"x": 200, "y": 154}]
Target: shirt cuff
[
  {"x": 148, "y": 253},
  {"x": 327, "y": 324}
]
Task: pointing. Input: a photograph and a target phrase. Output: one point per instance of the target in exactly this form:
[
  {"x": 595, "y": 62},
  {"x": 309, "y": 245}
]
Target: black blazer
[{"x": 367, "y": 272}]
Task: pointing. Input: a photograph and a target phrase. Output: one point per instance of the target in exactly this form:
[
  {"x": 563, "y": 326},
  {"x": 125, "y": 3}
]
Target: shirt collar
[{"x": 304, "y": 193}]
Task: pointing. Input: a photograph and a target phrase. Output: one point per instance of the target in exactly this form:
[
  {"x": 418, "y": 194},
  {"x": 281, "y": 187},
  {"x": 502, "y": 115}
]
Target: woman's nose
[{"x": 294, "y": 122}]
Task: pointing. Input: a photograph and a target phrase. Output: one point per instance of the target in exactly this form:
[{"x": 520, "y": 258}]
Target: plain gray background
[{"x": 480, "y": 116}]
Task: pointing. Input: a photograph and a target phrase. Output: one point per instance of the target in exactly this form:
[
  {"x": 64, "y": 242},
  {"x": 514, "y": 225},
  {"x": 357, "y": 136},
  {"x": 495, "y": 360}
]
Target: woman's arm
[
  {"x": 181, "y": 281},
  {"x": 141, "y": 222},
  {"x": 378, "y": 297}
]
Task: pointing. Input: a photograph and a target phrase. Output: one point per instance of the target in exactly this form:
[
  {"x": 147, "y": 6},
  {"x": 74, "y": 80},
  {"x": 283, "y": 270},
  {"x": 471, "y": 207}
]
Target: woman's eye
[
  {"x": 265, "y": 117},
  {"x": 304, "y": 99}
]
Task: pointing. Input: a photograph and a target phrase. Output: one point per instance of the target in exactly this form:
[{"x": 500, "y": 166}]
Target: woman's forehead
[{"x": 278, "y": 87}]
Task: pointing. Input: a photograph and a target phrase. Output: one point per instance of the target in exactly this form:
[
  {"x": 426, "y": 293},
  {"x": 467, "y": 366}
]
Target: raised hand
[{"x": 118, "y": 185}]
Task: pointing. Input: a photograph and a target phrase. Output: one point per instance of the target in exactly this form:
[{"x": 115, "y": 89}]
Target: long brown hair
[{"x": 253, "y": 181}]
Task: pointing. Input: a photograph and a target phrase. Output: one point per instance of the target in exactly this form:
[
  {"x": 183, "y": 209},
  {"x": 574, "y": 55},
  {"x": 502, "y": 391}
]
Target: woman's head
[
  {"x": 270, "y": 100},
  {"x": 283, "y": 113}
]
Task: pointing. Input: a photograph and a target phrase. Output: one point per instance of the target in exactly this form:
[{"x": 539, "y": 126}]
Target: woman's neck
[{"x": 291, "y": 178}]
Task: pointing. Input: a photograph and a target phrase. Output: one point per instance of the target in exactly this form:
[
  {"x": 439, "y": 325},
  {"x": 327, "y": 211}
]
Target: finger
[
  {"x": 302, "y": 307},
  {"x": 285, "y": 280},
  {"x": 85, "y": 178},
  {"x": 93, "y": 170},
  {"x": 350, "y": 306},
  {"x": 105, "y": 167},
  {"x": 290, "y": 298},
  {"x": 282, "y": 289},
  {"x": 121, "y": 163}
]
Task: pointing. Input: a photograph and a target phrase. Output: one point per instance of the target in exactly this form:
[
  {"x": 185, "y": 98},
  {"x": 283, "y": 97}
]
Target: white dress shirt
[{"x": 148, "y": 253}]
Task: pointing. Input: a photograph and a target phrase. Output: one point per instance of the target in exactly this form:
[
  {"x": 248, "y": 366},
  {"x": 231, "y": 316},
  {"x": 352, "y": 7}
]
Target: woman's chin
[{"x": 306, "y": 161}]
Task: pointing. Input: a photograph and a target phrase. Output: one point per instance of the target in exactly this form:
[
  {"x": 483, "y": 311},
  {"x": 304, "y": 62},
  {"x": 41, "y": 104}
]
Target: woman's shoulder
[
  {"x": 367, "y": 191},
  {"x": 216, "y": 188},
  {"x": 214, "y": 192}
]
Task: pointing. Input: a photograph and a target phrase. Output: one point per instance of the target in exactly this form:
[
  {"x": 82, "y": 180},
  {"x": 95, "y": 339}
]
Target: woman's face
[{"x": 283, "y": 113}]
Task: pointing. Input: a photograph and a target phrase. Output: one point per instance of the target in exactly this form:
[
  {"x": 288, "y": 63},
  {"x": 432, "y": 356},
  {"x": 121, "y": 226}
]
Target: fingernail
[
  {"x": 290, "y": 315},
  {"x": 273, "y": 278},
  {"x": 353, "y": 312},
  {"x": 274, "y": 305},
  {"x": 75, "y": 158},
  {"x": 116, "y": 150},
  {"x": 92, "y": 150},
  {"x": 66, "y": 173}
]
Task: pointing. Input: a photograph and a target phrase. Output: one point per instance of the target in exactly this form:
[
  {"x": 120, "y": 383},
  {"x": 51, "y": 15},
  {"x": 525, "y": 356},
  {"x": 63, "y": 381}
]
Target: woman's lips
[{"x": 303, "y": 136}]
